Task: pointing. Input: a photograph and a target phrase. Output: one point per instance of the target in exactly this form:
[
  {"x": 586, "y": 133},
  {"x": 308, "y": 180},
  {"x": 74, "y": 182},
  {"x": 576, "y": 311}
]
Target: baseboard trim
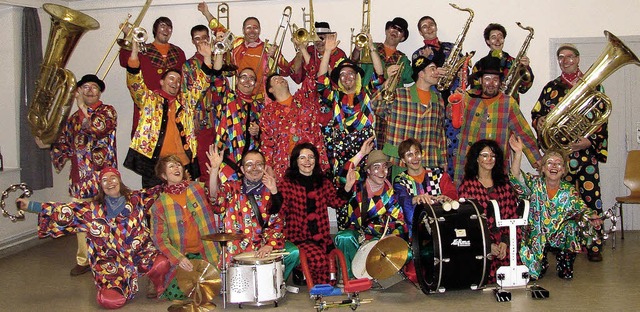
[{"x": 18, "y": 243}]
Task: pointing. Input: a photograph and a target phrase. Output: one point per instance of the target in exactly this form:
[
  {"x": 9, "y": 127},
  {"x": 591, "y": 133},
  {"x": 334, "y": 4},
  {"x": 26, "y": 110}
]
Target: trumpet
[
  {"x": 136, "y": 34},
  {"x": 302, "y": 34},
  {"x": 361, "y": 40},
  {"x": 281, "y": 33},
  {"x": 223, "y": 45}
]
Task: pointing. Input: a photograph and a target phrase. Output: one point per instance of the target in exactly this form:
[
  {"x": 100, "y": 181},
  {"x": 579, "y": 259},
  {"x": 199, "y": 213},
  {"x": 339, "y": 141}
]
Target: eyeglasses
[
  {"x": 247, "y": 78},
  {"x": 87, "y": 87},
  {"x": 321, "y": 37},
  {"x": 397, "y": 28},
  {"x": 306, "y": 157},
  {"x": 569, "y": 58},
  {"x": 345, "y": 73},
  {"x": 486, "y": 155},
  {"x": 249, "y": 165}
]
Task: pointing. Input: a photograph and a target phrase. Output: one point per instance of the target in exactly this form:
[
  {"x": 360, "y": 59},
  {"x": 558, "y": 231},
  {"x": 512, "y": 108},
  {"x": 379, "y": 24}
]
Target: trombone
[
  {"x": 361, "y": 40},
  {"x": 136, "y": 34},
  {"x": 302, "y": 34},
  {"x": 281, "y": 33}
]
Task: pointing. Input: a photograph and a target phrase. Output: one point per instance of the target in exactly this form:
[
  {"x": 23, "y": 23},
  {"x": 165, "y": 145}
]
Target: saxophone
[
  {"x": 454, "y": 61},
  {"x": 517, "y": 73}
]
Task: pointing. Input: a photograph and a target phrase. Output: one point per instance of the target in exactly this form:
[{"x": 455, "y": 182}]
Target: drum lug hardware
[
  {"x": 441, "y": 219},
  {"x": 473, "y": 217},
  {"x": 446, "y": 260},
  {"x": 473, "y": 287},
  {"x": 442, "y": 290},
  {"x": 479, "y": 257}
]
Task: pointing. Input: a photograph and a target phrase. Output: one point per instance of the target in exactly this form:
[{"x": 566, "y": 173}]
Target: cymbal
[
  {"x": 387, "y": 257},
  {"x": 202, "y": 284},
  {"x": 223, "y": 237}
]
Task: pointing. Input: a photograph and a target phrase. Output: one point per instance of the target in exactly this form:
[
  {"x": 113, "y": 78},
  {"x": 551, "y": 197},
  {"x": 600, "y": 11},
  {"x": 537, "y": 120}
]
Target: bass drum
[{"x": 450, "y": 248}]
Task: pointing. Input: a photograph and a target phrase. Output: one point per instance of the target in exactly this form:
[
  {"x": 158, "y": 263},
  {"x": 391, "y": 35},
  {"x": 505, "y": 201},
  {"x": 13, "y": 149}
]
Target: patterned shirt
[
  {"x": 407, "y": 118},
  {"x": 493, "y": 119},
  {"x": 90, "y": 145},
  {"x": 239, "y": 217}
]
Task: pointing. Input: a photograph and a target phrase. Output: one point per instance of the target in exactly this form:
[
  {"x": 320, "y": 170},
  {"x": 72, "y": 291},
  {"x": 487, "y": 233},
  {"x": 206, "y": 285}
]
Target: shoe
[
  {"x": 298, "y": 278},
  {"x": 594, "y": 257},
  {"x": 79, "y": 270},
  {"x": 151, "y": 291}
]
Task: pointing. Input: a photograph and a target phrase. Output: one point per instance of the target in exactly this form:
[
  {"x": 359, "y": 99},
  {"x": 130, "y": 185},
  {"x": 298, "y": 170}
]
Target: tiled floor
[{"x": 38, "y": 279}]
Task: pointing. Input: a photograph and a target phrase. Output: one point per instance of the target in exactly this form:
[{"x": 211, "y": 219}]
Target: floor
[{"x": 37, "y": 279}]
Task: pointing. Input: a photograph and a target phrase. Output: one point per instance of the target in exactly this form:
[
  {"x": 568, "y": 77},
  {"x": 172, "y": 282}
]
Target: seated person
[
  {"x": 557, "y": 215},
  {"x": 420, "y": 185},
  {"x": 484, "y": 180},
  {"x": 117, "y": 262},
  {"x": 307, "y": 194},
  {"x": 250, "y": 206},
  {"x": 373, "y": 206},
  {"x": 180, "y": 216}
]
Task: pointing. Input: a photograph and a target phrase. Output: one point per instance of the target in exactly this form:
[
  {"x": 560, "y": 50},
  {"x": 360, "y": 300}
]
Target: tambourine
[{"x": 26, "y": 192}]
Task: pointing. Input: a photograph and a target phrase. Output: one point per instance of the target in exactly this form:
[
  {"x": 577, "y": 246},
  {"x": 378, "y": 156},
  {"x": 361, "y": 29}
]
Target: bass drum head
[
  {"x": 422, "y": 247},
  {"x": 450, "y": 247}
]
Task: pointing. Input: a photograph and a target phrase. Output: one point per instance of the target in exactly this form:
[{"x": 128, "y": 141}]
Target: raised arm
[
  {"x": 330, "y": 43},
  {"x": 516, "y": 147}
]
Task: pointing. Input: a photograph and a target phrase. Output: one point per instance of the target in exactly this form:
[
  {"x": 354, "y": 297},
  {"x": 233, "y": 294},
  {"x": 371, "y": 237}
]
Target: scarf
[
  {"x": 166, "y": 95},
  {"x": 433, "y": 43},
  {"x": 246, "y": 98},
  {"x": 176, "y": 189},
  {"x": 115, "y": 205},
  {"x": 252, "y": 187},
  {"x": 253, "y": 44},
  {"x": 571, "y": 79}
]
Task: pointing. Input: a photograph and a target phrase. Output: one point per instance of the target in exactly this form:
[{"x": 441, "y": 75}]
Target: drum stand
[{"x": 223, "y": 274}]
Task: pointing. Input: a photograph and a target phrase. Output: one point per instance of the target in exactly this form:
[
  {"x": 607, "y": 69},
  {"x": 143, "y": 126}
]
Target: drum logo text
[{"x": 461, "y": 243}]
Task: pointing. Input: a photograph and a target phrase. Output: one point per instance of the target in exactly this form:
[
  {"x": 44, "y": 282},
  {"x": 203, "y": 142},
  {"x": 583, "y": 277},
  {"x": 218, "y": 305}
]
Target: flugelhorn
[
  {"x": 281, "y": 33},
  {"x": 517, "y": 73},
  {"x": 56, "y": 85},
  {"x": 584, "y": 109},
  {"x": 302, "y": 34},
  {"x": 361, "y": 40},
  {"x": 389, "y": 91},
  {"x": 136, "y": 34},
  {"x": 454, "y": 60}
]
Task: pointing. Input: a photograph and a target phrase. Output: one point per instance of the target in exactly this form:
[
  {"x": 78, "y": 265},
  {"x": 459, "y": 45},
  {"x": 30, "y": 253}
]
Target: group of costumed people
[{"x": 269, "y": 164}]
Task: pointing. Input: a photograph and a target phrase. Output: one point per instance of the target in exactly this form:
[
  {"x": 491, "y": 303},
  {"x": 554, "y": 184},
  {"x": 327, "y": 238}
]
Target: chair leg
[{"x": 621, "y": 222}]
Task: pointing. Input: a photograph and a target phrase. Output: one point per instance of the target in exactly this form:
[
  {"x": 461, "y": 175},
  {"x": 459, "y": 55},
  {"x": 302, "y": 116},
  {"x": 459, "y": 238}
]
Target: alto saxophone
[{"x": 517, "y": 73}]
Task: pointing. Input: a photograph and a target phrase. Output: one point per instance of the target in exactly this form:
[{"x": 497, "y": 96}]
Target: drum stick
[{"x": 386, "y": 226}]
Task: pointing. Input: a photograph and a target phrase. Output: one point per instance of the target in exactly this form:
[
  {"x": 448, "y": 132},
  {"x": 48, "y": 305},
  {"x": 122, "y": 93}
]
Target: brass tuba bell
[
  {"x": 584, "y": 109},
  {"x": 56, "y": 85}
]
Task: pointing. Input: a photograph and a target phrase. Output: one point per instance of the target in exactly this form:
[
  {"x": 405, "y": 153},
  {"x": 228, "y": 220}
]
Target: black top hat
[
  {"x": 400, "y": 22},
  {"x": 91, "y": 78},
  {"x": 335, "y": 73},
  {"x": 322, "y": 28},
  {"x": 488, "y": 65}
]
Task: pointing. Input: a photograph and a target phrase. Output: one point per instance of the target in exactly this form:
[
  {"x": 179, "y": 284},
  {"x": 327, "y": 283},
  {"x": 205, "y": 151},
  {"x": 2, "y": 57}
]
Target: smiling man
[
  {"x": 159, "y": 57},
  {"x": 492, "y": 116},
  {"x": 494, "y": 36},
  {"x": 167, "y": 121}
]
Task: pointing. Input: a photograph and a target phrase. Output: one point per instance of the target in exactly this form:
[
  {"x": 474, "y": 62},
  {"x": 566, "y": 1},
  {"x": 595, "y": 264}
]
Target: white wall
[{"x": 549, "y": 18}]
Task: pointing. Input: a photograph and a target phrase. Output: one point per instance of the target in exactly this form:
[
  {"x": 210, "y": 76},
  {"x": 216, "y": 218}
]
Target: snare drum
[
  {"x": 255, "y": 281},
  {"x": 450, "y": 247},
  {"x": 359, "y": 262}
]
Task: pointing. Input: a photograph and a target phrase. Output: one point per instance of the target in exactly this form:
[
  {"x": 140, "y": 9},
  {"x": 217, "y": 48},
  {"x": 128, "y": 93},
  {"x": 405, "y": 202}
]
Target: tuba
[
  {"x": 584, "y": 109},
  {"x": 517, "y": 73},
  {"x": 302, "y": 34},
  {"x": 454, "y": 60},
  {"x": 361, "y": 40},
  {"x": 136, "y": 33},
  {"x": 56, "y": 85}
]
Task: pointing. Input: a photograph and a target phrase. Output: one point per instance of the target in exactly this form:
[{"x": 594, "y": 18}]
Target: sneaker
[
  {"x": 298, "y": 278},
  {"x": 594, "y": 257},
  {"x": 79, "y": 270}
]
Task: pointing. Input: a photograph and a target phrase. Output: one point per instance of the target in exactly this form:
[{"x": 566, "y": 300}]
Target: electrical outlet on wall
[{"x": 638, "y": 132}]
